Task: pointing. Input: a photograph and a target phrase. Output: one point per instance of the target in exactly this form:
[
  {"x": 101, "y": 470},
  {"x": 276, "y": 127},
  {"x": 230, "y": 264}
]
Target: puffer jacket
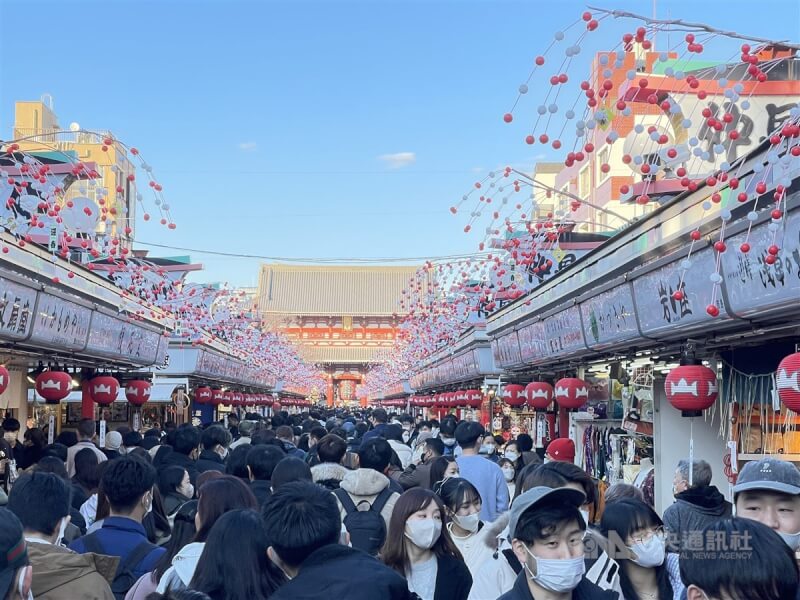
[
  {"x": 328, "y": 475},
  {"x": 59, "y": 573},
  {"x": 180, "y": 574},
  {"x": 364, "y": 485}
]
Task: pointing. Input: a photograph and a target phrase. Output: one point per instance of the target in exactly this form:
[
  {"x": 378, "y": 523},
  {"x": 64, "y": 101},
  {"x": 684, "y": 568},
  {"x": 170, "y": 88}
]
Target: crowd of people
[{"x": 372, "y": 506}]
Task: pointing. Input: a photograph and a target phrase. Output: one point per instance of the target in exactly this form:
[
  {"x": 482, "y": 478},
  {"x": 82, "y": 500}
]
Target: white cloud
[
  {"x": 247, "y": 146},
  {"x": 398, "y": 160}
]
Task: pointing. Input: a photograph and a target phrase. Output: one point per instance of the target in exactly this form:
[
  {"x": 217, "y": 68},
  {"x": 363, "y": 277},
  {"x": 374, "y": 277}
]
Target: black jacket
[
  {"x": 181, "y": 460},
  {"x": 453, "y": 580},
  {"x": 261, "y": 490},
  {"x": 210, "y": 461},
  {"x": 692, "y": 511},
  {"x": 586, "y": 590},
  {"x": 337, "y": 571}
]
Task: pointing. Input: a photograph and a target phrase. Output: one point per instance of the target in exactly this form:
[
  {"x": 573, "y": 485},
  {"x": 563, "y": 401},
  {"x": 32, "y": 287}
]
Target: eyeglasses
[{"x": 647, "y": 536}]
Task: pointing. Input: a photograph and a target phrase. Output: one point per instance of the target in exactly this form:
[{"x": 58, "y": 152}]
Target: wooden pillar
[{"x": 329, "y": 395}]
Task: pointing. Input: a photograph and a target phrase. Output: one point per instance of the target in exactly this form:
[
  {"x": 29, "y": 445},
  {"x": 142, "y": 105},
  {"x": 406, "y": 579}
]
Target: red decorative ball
[
  {"x": 691, "y": 388},
  {"x": 719, "y": 246},
  {"x": 530, "y": 140},
  {"x": 695, "y": 235},
  {"x": 745, "y": 248},
  {"x": 788, "y": 381},
  {"x": 712, "y": 310},
  {"x": 539, "y": 394},
  {"x": 138, "y": 392},
  {"x": 770, "y": 259},
  {"x": 508, "y": 117},
  {"x": 773, "y": 249},
  {"x": 571, "y": 392}
]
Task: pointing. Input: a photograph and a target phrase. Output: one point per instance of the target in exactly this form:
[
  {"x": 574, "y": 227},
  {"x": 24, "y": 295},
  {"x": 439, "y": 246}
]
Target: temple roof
[
  {"x": 339, "y": 354},
  {"x": 332, "y": 290}
]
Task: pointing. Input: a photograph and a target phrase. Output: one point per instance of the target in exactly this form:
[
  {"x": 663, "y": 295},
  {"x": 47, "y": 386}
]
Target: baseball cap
[
  {"x": 537, "y": 495},
  {"x": 769, "y": 474},
  {"x": 468, "y": 432},
  {"x": 113, "y": 440},
  {"x": 13, "y": 551},
  {"x": 561, "y": 449}
]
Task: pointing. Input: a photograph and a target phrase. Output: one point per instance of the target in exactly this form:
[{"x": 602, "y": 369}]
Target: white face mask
[
  {"x": 557, "y": 575},
  {"x": 650, "y": 553},
  {"x": 188, "y": 491},
  {"x": 792, "y": 540},
  {"x": 511, "y": 455},
  {"x": 423, "y": 533},
  {"x": 468, "y": 522},
  {"x": 487, "y": 449},
  {"x": 10, "y": 436},
  {"x": 449, "y": 441},
  {"x": 508, "y": 473}
]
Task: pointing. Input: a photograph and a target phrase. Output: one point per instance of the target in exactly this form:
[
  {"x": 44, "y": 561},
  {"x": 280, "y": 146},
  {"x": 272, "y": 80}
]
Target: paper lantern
[
  {"x": 4, "y": 379},
  {"x": 571, "y": 392},
  {"x": 474, "y": 398},
  {"x": 539, "y": 394},
  {"x": 227, "y": 398},
  {"x": 691, "y": 389},
  {"x": 513, "y": 394},
  {"x": 202, "y": 395},
  {"x": 788, "y": 382},
  {"x": 104, "y": 389},
  {"x": 217, "y": 396},
  {"x": 276, "y": 406},
  {"x": 53, "y": 386},
  {"x": 138, "y": 391}
]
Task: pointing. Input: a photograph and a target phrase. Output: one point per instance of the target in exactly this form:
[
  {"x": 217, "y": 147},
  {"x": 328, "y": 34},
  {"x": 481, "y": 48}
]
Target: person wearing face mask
[
  {"x": 483, "y": 474},
  {"x": 488, "y": 449},
  {"x": 185, "y": 450},
  {"x": 447, "y": 433},
  {"x": 421, "y": 549},
  {"x": 176, "y": 489},
  {"x": 463, "y": 505},
  {"x": 509, "y": 473},
  {"x": 513, "y": 454},
  {"x": 637, "y": 533},
  {"x": 11, "y": 444},
  {"x": 546, "y": 532},
  {"x": 128, "y": 485},
  {"x": 15, "y": 569},
  {"x": 419, "y": 475},
  {"x": 41, "y": 502},
  {"x": 762, "y": 568},
  {"x": 214, "y": 442}
]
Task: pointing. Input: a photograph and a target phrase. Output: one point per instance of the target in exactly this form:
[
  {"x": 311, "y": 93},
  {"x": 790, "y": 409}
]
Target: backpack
[
  {"x": 367, "y": 528},
  {"x": 124, "y": 578}
]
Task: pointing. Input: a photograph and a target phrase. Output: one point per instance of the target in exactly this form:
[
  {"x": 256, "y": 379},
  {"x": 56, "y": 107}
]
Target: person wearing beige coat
[{"x": 363, "y": 487}]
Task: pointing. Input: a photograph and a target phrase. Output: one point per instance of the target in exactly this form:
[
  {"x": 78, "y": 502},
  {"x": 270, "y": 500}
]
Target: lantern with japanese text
[
  {"x": 53, "y": 386},
  {"x": 513, "y": 394},
  {"x": 217, "y": 396},
  {"x": 571, "y": 392},
  {"x": 104, "y": 389},
  {"x": 227, "y": 398},
  {"x": 539, "y": 395},
  {"x": 788, "y": 381},
  {"x": 691, "y": 388},
  {"x": 4, "y": 379},
  {"x": 474, "y": 398},
  {"x": 202, "y": 395},
  {"x": 137, "y": 391}
]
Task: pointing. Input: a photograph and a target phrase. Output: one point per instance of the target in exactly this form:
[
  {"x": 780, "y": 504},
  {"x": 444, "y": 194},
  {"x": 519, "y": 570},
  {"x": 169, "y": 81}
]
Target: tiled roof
[{"x": 332, "y": 290}]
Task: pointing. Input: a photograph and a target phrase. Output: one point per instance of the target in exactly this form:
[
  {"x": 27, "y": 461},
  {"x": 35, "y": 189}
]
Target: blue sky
[{"x": 266, "y": 121}]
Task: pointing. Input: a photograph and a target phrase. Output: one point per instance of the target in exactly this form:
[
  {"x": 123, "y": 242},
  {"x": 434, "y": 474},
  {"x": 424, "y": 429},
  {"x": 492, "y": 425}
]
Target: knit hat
[
  {"x": 562, "y": 449},
  {"x": 113, "y": 440},
  {"x": 13, "y": 551}
]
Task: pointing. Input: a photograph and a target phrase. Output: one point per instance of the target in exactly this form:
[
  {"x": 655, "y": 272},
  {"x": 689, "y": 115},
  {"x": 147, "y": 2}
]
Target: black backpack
[
  {"x": 367, "y": 528},
  {"x": 124, "y": 577}
]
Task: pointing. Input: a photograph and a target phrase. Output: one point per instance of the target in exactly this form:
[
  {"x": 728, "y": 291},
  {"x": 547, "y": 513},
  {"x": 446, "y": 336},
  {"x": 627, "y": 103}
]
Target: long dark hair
[
  {"x": 438, "y": 468},
  {"x": 183, "y": 531},
  {"x": 170, "y": 479},
  {"x": 218, "y": 497},
  {"x": 234, "y": 563},
  {"x": 624, "y": 518},
  {"x": 394, "y": 552},
  {"x": 156, "y": 523},
  {"x": 86, "y": 470},
  {"x": 456, "y": 491}
]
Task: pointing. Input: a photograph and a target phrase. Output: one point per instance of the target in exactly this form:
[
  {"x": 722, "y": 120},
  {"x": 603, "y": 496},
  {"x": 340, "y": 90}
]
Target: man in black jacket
[
  {"x": 306, "y": 534},
  {"x": 261, "y": 463},
  {"x": 546, "y": 529},
  {"x": 185, "y": 449},
  {"x": 215, "y": 441}
]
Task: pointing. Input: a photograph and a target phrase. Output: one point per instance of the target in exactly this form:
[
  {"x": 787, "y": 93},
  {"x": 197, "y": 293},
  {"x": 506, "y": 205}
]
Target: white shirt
[
  {"x": 475, "y": 548},
  {"x": 422, "y": 578}
]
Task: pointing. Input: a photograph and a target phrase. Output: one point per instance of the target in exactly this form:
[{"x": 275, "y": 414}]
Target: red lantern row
[
  {"x": 54, "y": 386},
  {"x": 215, "y": 397},
  {"x": 459, "y": 399}
]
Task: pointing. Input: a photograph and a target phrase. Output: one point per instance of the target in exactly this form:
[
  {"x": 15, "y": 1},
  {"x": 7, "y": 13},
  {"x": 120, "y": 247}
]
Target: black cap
[
  {"x": 468, "y": 433},
  {"x": 13, "y": 551}
]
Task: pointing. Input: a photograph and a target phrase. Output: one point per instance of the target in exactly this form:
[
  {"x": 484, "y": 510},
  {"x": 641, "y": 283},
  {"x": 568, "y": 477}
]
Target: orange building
[{"x": 340, "y": 317}]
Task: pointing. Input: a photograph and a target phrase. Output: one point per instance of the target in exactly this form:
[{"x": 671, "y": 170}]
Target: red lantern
[
  {"x": 217, "y": 396},
  {"x": 4, "y": 379},
  {"x": 539, "y": 394},
  {"x": 202, "y": 395},
  {"x": 691, "y": 389},
  {"x": 474, "y": 398},
  {"x": 571, "y": 392},
  {"x": 227, "y": 399},
  {"x": 104, "y": 389},
  {"x": 787, "y": 381},
  {"x": 276, "y": 406},
  {"x": 513, "y": 394},
  {"x": 53, "y": 386},
  {"x": 137, "y": 391}
]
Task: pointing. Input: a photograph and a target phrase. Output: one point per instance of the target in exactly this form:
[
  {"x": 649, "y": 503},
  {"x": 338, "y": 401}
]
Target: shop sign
[
  {"x": 114, "y": 337},
  {"x": 507, "y": 350},
  {"x": 16, "y": 306},
  {"x": 563, "y": 332},
  {"x": 60, "y": 323},
  {"x": 609, "y": 317},
  {"x": 657, "y": 310},
  {"x": 532, "y": 343},
  {"x": 754, "y": 286}
]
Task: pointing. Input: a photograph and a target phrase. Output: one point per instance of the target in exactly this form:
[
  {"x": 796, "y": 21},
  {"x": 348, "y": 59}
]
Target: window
[
  {"x": 602, "y": 159},
  {"x": 585, "y": 183}
]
